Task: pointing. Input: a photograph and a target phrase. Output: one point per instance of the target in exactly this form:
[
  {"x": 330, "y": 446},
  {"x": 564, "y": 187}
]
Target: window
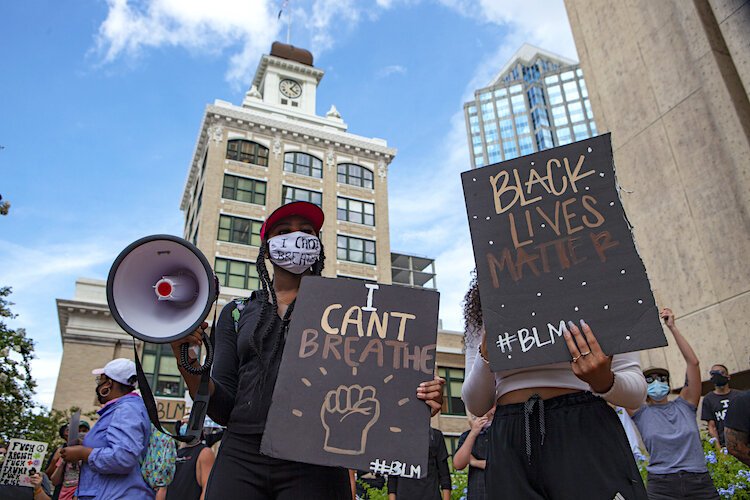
[
  {"x": 526, "y": 144},
  {"x": 506, "y": 129},
  {"x": 576, "y": 111},
  {"x": 551, "y": 79},
  {"x": 242, "y": 189},
  {"x": 501, "y": 92},
  {"x": 354, "y": 175},
  {"x": 454, "y": 379},
  {"x": 519, "y": 104},
  {"x": 360, "y": 212},
  {"x": 355, "y": 250},
  {"x": 160, "y": 367},
  {"x": 589, "y": 113},
  {"x": 478, "y": 160},
  {"x": 247, "y": 152},
  {"x": 493, "y": 151},
  {"x": 503, "y": 108},
  {"x": 516, "y": 89},
  {"x": 195, "y": 234},
  {"x": 290, "y": 194},
  {"x": 563, "y": 136},
  {"x": 451, "y": 444},
  {"x": 559, "y": 116},
  {"x": 509, "y": 149},
  {"x": 584, "y": 91},
  {"x": 568, "y": 75},
  {"x": 303, "y": 164},
  {"x": 239, "y": 230},
  {"x": 571, "y": 91},
  {"x": 490, "y": 132},
  {"x": 485, "y": 96},
  {"x": 581, "y": 131},
  {"x": 522, "y": 124},
  {"x": 236, "y": 274},
  {"x": 555, "y": 96}
]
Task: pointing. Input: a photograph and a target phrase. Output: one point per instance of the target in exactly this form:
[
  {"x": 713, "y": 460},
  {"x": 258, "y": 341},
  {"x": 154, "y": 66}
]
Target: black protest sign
[
  {"x": 552, "y": 244},
  {"x": 346, "y": 390}
]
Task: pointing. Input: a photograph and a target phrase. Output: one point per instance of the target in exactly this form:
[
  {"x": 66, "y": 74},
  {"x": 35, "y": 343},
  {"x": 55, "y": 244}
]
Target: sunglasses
[{"x": 658, "y": 377}]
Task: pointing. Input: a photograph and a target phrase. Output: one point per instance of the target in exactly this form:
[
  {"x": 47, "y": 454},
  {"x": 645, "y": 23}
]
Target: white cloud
[
  {"x": 134, "y": 25},
  {"x": 393, "y": 69}
]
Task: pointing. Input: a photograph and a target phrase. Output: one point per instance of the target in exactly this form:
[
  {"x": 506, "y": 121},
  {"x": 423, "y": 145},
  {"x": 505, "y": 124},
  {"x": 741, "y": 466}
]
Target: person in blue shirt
[{"x": 112, "y": 450}]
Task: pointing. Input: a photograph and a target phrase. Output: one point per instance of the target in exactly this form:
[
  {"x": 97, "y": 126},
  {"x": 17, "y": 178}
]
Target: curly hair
[{"x": 472, "y": 306}]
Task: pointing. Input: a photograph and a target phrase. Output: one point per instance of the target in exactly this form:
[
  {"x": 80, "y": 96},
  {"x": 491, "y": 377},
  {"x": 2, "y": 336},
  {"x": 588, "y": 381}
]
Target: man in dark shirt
[
  {"x": 737, "y": 428},
  {"x": 436, "y": 485},
  {"x": 716, "y": 403},
  {"x": 472, "y": 451}
]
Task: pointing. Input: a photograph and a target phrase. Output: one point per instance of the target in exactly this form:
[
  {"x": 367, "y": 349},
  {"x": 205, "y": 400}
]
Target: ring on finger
[
  {"x": 575, "y": 359},
  {"x": 585, "y": 353}
]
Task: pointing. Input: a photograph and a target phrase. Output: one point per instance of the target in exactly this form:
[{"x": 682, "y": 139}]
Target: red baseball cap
[{"x": 304, "y": 209}]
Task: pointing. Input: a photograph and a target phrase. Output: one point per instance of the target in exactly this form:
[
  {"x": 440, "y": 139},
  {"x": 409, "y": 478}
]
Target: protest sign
[
  {"x": 552, "y": 244},
  {"x": 354, "y": 356},
  {"x": 23, "y": 459}
]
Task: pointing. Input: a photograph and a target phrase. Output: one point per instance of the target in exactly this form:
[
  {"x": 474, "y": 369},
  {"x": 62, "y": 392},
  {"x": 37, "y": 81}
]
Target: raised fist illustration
[{"x": 347, "y": 415}]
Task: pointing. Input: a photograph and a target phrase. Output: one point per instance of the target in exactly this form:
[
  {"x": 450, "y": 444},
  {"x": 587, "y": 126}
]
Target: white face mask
[{"x": 296, "y": 252}]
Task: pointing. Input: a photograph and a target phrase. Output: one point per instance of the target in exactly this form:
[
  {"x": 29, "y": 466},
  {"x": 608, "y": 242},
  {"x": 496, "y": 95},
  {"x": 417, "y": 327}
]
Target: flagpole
[{"x": 288, "y": 24}]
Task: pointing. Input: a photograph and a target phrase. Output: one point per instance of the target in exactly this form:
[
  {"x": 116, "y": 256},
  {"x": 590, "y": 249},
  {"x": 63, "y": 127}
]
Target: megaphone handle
[{"x": 185, "y": 358}]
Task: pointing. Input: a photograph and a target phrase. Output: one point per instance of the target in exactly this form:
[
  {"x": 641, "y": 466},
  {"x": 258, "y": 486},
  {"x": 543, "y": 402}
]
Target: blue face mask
[
  {"x": 183, "y": 429},
  {"x": 658, "y": 390}
]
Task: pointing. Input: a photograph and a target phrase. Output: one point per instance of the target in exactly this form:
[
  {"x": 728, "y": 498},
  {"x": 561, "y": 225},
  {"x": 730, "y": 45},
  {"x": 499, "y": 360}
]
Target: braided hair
[
  {"x": 472, "y": 306},
  {"x": 264, "y": 327}
]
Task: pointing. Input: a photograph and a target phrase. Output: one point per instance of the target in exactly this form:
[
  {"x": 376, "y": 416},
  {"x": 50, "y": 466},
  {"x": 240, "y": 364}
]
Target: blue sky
[{"x": 100, "y": 104}]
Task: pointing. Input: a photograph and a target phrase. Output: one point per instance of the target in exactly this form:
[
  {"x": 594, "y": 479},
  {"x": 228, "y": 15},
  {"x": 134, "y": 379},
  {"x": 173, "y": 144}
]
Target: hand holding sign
[
  {"x": 347, "y": 414},
  {"x": 589, "y": 362}
]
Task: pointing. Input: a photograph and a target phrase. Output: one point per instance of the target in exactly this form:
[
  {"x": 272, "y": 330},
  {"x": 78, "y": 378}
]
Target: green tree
[{"x": 20, "y": 416}]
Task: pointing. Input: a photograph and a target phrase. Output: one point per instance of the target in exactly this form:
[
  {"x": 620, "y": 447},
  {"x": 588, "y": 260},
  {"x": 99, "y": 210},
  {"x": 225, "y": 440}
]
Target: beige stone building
[
  {"x": 249, "y": 159},
  {"x": 670, "y": 80}
]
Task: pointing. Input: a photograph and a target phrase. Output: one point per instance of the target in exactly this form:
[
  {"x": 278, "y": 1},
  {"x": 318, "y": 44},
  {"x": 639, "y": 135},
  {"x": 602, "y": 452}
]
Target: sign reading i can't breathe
[
  {"x": 346, "y": 390},
  {"x": 552, "y": 244}
]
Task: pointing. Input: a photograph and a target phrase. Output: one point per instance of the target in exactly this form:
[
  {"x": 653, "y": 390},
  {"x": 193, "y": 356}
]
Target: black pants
[
  {"x": 569, "y": 447},
  {"x": 688, "y": 485},
  {"x": 240, "y": 471}
]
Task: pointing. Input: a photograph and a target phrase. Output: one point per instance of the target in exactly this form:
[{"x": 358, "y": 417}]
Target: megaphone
[{"x": 160, "y": 288}]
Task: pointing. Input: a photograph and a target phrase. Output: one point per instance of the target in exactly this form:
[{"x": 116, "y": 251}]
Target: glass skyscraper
[{"x": 538, "y": 101}]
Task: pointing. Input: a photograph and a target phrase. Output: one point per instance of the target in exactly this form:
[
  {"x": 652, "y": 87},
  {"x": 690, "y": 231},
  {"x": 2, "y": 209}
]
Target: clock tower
[{"x": 287, "y": 80}]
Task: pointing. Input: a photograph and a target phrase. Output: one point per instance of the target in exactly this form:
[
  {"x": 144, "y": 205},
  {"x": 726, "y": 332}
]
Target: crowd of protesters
[{"x": 556, "y": 431}]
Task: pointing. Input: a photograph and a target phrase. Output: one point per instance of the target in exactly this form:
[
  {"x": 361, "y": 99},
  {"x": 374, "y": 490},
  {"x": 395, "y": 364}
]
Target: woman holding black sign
[
  {"x": 553, "y": 435},
  {"x": 249, "y": 337}
]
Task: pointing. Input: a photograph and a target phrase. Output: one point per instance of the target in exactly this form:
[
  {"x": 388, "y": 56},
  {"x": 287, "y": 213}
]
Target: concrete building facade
[
  {"x": 537, "y": 101},
  {"x": 670, "y": 80}
]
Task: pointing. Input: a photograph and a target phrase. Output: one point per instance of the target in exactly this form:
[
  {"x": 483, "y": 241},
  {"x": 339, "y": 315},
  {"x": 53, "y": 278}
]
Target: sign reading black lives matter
[
  {"x": 346, "y": 390},
  {"x": 552, "y": 244}
]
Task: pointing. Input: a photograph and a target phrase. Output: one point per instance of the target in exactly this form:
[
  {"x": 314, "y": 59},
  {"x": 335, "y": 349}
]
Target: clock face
[{"x": 290, "y": 88}]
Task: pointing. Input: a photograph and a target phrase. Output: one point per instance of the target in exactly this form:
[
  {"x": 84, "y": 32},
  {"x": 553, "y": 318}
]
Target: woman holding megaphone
[{"x": 249, "y": 340}]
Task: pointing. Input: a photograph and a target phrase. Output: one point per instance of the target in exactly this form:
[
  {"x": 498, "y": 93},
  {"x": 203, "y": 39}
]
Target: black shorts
[
  {"x": 240, "y": 471},
  {"x": 681, "y": 485},
  {"x": 575, "y": 448}
]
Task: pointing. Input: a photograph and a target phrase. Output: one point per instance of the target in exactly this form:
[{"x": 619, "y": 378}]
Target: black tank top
[{"x": 184, "y": 485}]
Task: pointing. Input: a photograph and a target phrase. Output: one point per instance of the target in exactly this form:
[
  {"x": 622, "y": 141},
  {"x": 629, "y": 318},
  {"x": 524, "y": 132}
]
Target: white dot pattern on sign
[
  {"x": 589, "y": 150},
  {"x": 492, "y": 242},
  {"x": 622, "y": 271},
  {"x": 587, "y": 188},
  {"x": 533, "y": 313},
  {"x": 487, "y": 218},
  {"x": 575, "y": 308},
  {"x": 543, "y": 225},
  {"x": 627, "y": 337},
  {"x": 606, "y": 306},
  {"x": 532, "y": 162},
  {"x": 502, "y": 305},
  {"x": 560, "y": 278},
  {"x": 601, "y": 174},
  {"x": 475, "y": 216},
  {"x": 611, "y": 203},
  {"x": 538, "y": 294},
  {"x": 474, "y": 179},
  {"x": 509, "y": 356},
  {"x": 583, "y": 283},
  {"x": 640, "y": 301}
]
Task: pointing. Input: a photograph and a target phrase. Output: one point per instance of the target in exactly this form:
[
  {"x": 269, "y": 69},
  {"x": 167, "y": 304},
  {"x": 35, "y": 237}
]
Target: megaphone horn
[{"x": 160, "y": 289}]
